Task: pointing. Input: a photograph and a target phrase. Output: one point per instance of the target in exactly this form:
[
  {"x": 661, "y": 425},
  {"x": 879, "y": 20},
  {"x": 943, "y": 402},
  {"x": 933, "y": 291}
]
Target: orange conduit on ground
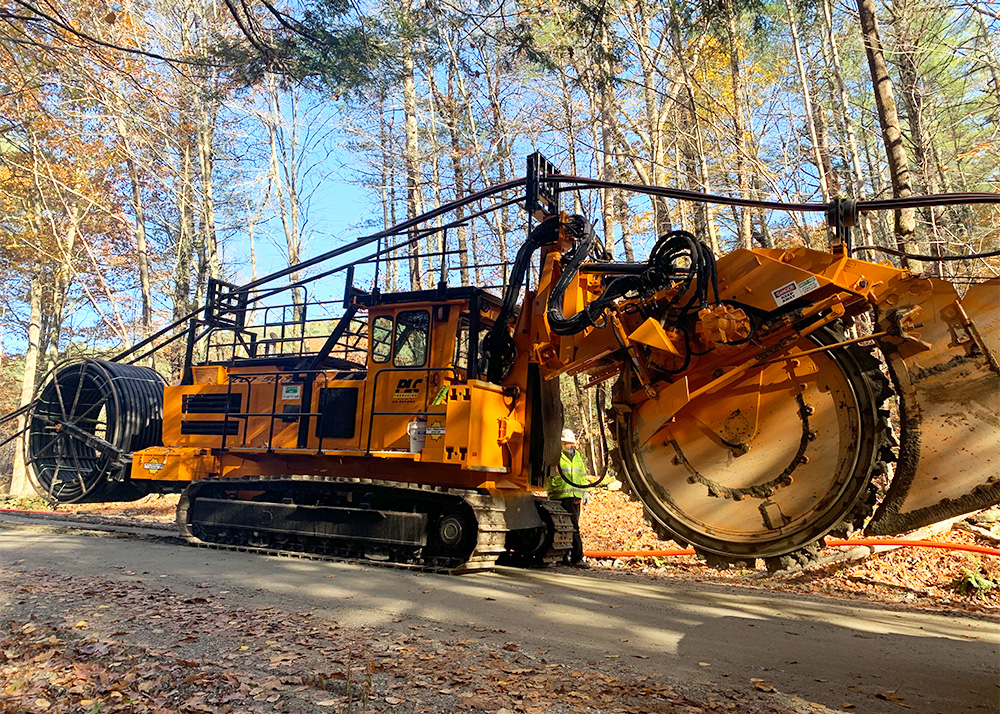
[
  {"x": 636, "y": 553},
  {"x": 832, "y": 543},
  {"x": 917, "y": 544}
]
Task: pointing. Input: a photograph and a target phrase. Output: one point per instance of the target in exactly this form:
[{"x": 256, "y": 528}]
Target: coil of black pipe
[{"x": 85, "y": 423}]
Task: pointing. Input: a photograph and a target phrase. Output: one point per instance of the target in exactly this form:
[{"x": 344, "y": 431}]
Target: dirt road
[{"x": 711, "y": 646}]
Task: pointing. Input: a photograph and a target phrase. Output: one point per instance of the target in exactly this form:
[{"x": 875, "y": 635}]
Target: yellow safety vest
[{"x": 575, "y": 469}]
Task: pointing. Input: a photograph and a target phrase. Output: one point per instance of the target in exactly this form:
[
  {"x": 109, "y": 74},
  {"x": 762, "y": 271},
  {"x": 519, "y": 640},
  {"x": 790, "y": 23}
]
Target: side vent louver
[
  {"x": 211, "y": 404},
  {"x": 210, "y": 428}
]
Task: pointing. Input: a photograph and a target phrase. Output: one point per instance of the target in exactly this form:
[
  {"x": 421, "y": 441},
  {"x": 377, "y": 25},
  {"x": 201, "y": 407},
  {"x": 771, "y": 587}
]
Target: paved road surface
[{"x": 823, "y": 650}]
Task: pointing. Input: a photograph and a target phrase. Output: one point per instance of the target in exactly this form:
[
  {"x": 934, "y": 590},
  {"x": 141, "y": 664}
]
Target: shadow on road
[{"x": 824, "y": 650}]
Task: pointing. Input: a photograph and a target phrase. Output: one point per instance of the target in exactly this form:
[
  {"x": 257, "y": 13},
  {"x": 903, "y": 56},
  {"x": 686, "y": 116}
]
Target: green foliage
[
  {"x": 973, "y": 583},
  {"x": 328, "y": 46},
  {"x": 26, "y": 503},
  {"x": 334, "y": 59}
]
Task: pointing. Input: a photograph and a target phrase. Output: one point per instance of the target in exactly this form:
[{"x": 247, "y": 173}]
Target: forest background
[{"x": 148, "y": 146}]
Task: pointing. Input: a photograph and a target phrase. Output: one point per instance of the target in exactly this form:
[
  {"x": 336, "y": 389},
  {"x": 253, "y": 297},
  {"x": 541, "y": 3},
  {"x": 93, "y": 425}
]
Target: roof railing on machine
[{"x": 228, "y": 305}]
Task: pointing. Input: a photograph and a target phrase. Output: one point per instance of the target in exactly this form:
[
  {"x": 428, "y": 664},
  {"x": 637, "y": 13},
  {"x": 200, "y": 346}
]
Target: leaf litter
[
  {"x": 70, "y": 644},
  {"x": 153, "y": 651},
  {"x": 917, "y": 577}
]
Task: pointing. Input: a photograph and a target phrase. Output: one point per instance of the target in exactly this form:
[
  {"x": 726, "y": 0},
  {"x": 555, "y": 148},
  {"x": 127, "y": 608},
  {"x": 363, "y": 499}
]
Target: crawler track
[
  {"x": 466, "y": 530},
  {"x": 427, "y": 528}
]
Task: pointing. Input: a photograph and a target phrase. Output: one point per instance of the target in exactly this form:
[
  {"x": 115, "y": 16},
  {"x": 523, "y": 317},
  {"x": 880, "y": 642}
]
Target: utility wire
[{"x": 934, "y": 258}]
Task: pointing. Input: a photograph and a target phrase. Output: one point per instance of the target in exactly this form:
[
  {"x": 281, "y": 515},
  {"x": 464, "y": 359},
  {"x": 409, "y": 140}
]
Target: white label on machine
[
  {"x": 291, "y": 392},
  {"x": 786, "y": 293}
]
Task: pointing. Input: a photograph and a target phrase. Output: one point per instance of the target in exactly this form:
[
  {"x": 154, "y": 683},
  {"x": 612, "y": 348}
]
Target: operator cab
[
  {"x": 421, "y": 343},
  {"x": 361, "y": 386}
]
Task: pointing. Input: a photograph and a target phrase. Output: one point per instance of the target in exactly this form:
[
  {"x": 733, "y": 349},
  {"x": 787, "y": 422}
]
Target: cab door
[{"x": 398, "y": 366}]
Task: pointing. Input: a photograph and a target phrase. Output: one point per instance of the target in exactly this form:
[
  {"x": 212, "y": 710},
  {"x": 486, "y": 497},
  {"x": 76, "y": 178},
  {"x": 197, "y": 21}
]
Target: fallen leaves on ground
[
  {"x": 149, "y": 650},
  {"x": 157, "y": 508},
  {"x": 73, "y": 644},
  {"x": 915, "y": 576}
]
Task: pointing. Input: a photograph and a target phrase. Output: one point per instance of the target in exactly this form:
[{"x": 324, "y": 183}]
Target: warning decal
[{"x": 793, "y": 290}]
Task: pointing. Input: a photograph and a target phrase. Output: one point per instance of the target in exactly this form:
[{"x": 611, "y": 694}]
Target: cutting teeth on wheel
[{"x": 776, "y": 496}]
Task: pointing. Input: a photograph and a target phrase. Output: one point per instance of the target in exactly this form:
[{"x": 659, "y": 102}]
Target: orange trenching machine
[{"x": 760, "y": 401}]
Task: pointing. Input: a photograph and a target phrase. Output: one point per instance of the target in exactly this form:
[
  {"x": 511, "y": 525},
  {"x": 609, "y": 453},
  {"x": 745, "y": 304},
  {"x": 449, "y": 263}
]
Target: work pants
[{"x": 573, "y": 506}]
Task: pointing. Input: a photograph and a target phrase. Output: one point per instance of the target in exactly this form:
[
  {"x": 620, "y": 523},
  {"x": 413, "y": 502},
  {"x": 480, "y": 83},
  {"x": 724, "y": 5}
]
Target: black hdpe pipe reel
[{"x": 84, "y": 426}]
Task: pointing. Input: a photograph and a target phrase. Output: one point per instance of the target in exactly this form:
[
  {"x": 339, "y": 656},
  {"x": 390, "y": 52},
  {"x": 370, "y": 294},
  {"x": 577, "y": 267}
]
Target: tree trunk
[
  {"x": 388, "y": 198},
  {"x": 62, "y": 279},
  {"x": 694, "y": 148},
  {"x": 458, "y": 171},
  {"x": 854, "y": 155},
  {"x": 608, "y": 165},
  {"x": 141, "y": 249},
  {"x": 924, "y": 150},
  {"x": 185, "y": 235},
  {"x": 43, "y": 218},
  {"x": 20, "y": 484},
  {"x": 503, "y": 151},
  {"x": 823, "y": 137},
  {"x": 464, "y": 101},
  {"x": 414, "y": 201},
  {"x": 208, "y": 248},
  {"x": 434, "y": 147},
  {"x": 876, "y": 170},
  {"x": 284, "y": 178},
  {"x": 986, "y": 40},
  {"x": 892, "y": 136},
  {"x": 744, "y": 218},
  {"x": 824, "y": 185},
  {"x": 141, "y": 245},
  {"x": 656, "y": 107}
]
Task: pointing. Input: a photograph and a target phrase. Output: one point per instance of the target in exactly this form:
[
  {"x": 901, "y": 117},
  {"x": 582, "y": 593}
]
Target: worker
[{"x": 571, "y": 497}]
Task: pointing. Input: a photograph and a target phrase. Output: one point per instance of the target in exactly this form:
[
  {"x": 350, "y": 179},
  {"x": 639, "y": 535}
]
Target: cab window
[
  {"x": 381, "y": 338},
  {"x": 461, "y": 357},
  {"x": 410, "y": 341}
]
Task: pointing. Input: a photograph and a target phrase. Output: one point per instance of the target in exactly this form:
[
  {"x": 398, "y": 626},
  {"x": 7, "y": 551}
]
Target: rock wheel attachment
[{"x": 769, "y": 465}]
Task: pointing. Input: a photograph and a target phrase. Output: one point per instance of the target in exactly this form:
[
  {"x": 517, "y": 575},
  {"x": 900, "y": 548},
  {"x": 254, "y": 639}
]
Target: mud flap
[{"x": 944, "y": 363}]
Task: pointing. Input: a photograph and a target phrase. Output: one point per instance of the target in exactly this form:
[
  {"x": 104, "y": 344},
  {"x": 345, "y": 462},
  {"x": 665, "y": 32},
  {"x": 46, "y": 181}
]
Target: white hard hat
[{"x": 568, "y": 436}]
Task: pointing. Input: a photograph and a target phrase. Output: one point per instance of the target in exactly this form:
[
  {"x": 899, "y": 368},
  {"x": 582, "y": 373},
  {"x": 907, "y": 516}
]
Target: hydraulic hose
[{"x": 499, "y": 350}]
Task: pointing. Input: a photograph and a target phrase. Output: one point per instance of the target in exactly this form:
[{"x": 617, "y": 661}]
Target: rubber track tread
[
  {"x": 488, "y": 510},
  {"x": 562, "y": 537}
]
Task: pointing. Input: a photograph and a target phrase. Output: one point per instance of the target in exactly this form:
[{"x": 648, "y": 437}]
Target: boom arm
[{"x": 749, "y": 423}]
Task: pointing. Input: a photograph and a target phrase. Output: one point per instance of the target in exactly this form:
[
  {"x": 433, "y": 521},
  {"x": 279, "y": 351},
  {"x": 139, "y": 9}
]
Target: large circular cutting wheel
[
  {"x": 767, "y": 464},
  {"x": 85, "y": 423}
]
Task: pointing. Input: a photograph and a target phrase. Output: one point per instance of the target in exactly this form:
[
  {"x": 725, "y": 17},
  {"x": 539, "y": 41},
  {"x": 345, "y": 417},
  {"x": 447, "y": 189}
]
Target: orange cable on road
[
  {"x": 636, "y": 553},
  {"x": 982, "y": 550}
]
